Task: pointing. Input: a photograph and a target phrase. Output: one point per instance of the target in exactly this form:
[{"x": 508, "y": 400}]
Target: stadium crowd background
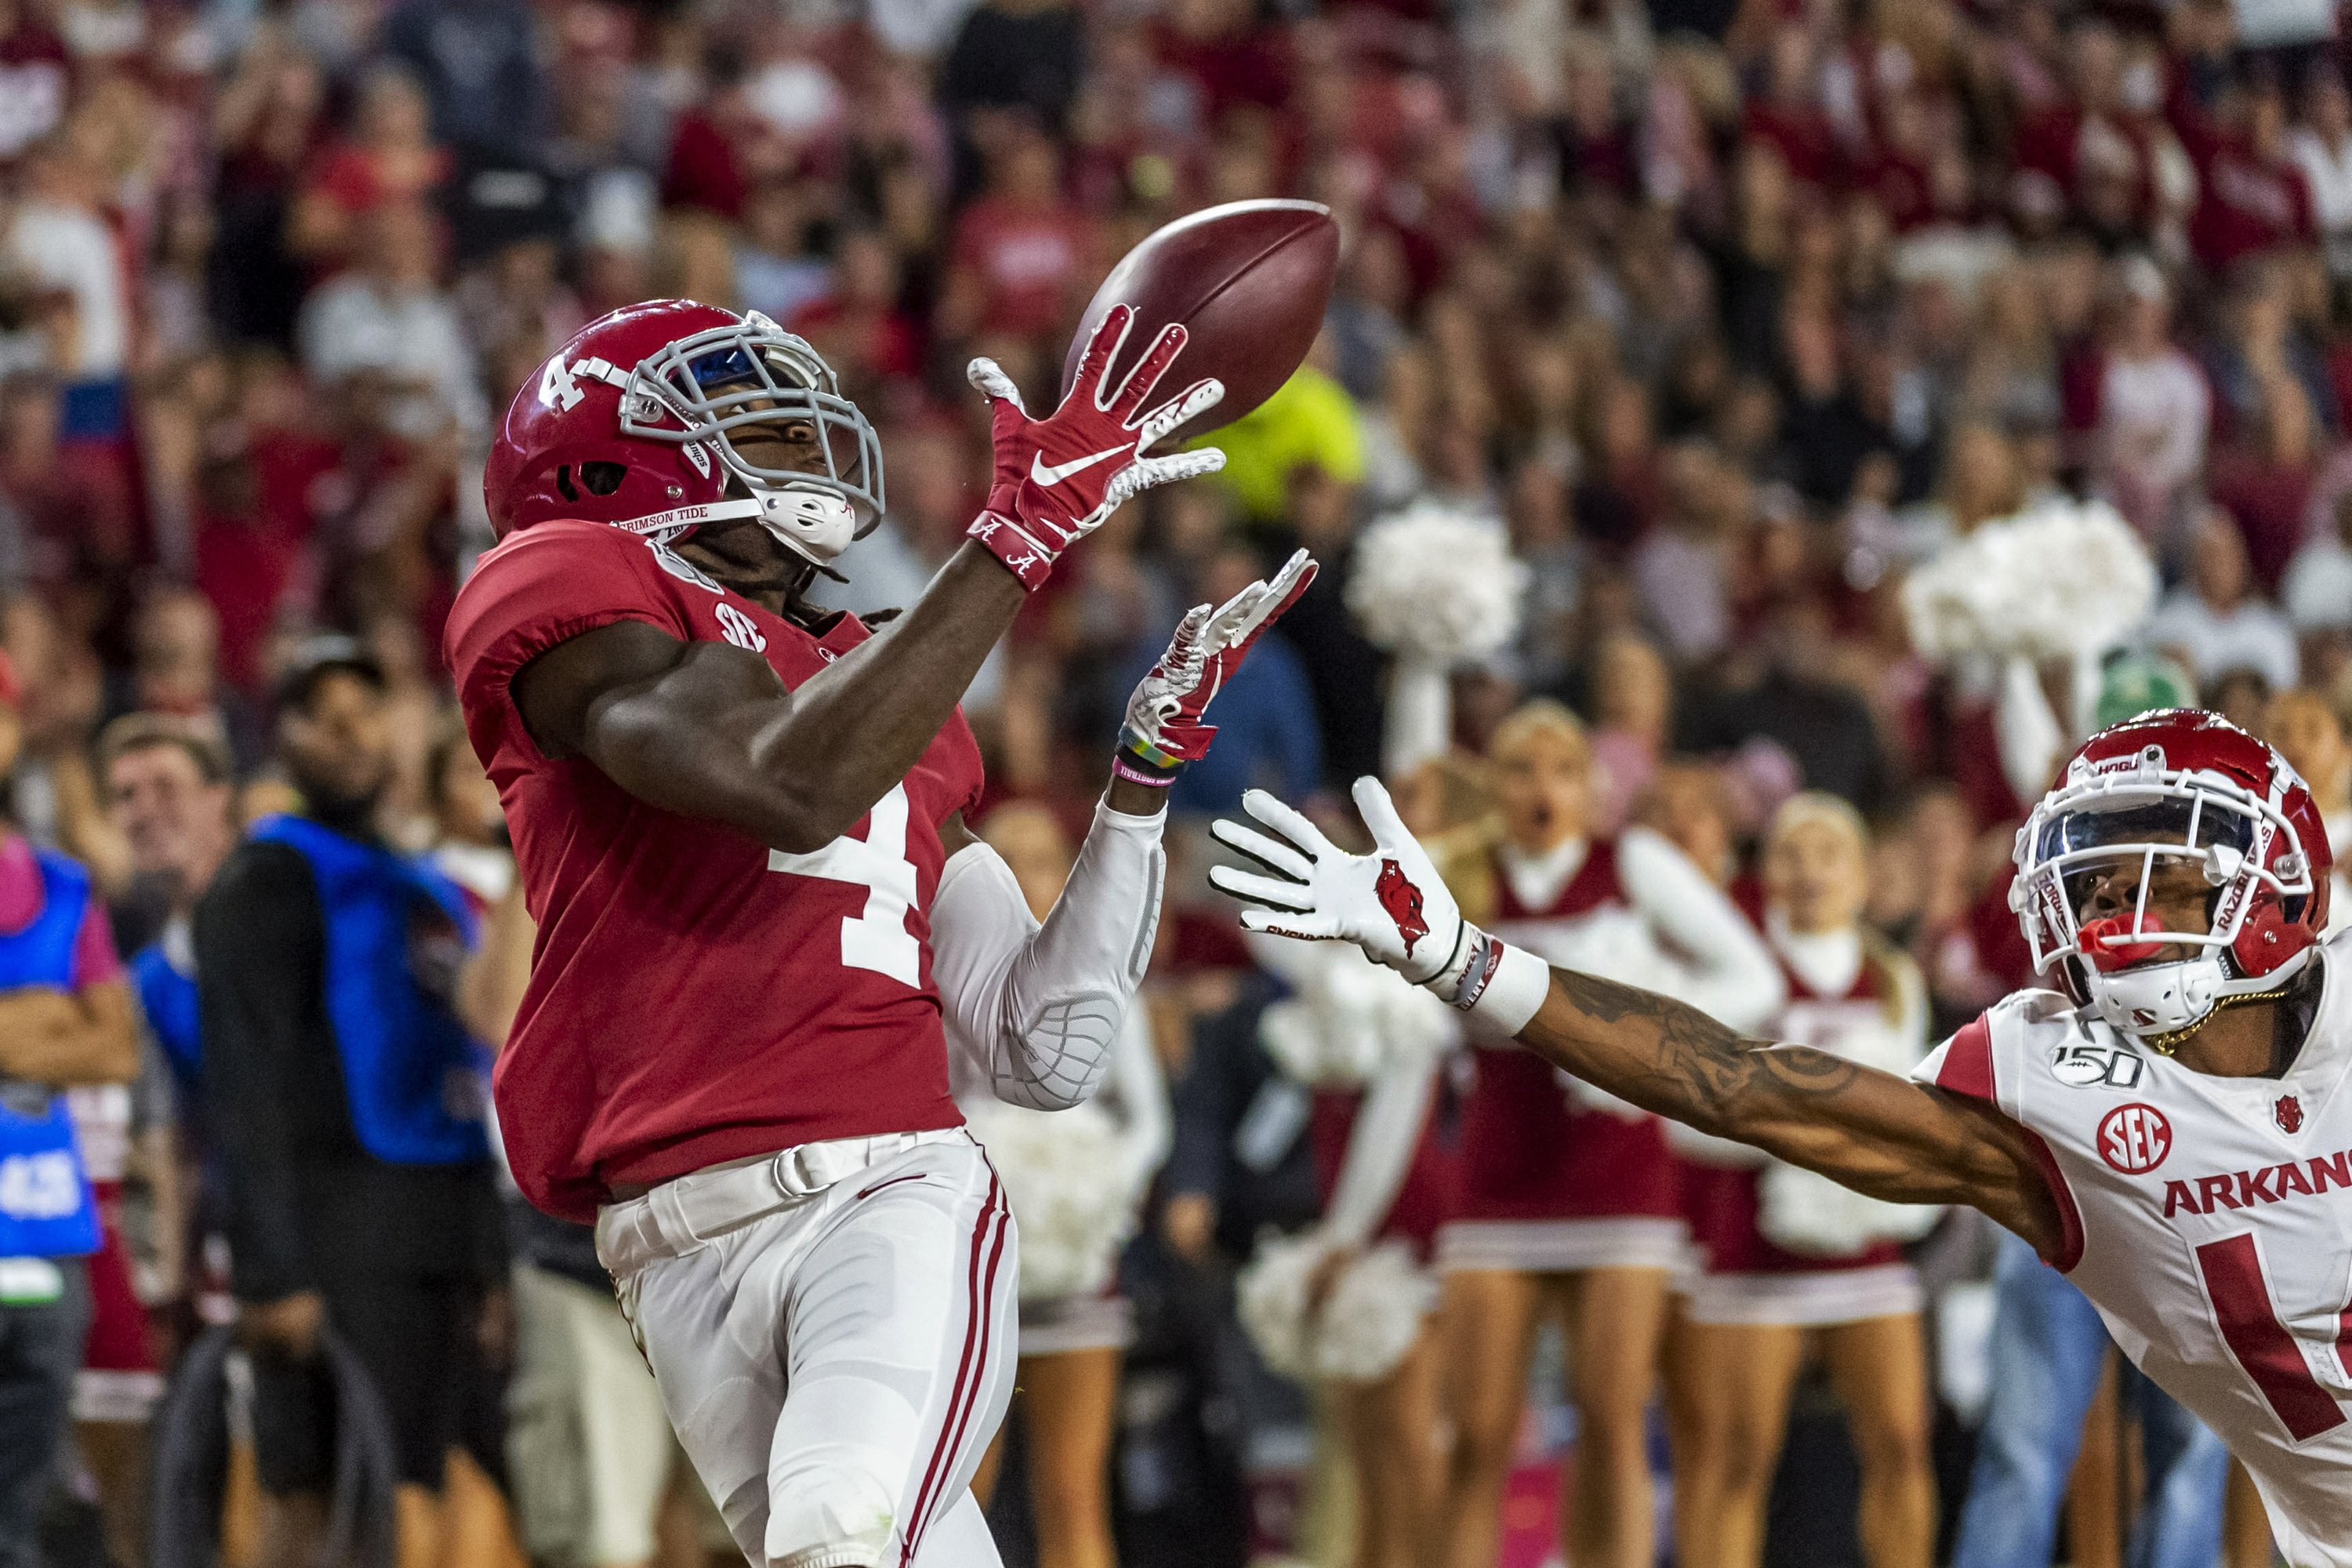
[{"x": 1727, "y": 310}]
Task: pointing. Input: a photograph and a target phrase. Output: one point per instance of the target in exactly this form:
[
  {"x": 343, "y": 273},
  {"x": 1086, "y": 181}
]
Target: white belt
[{"x": 683, "y": 1213}]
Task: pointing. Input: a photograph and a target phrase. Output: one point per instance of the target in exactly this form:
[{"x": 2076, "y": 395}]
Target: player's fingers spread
[
  {"x": 1177, "y": 466},
  {"x": 1136, "y": 387},
  {"x": 1198, "y": 398},
  {"x": 1187, "y": 641},
  {"x": 1278, "y": 892},
  {"x": 988, "y": 378},
  {"x": 1380, "y": 813},
  {"x": 1101, "y": 349},
  {"x": 1290, "y": 822},
  {"x": 1271, "y": 853},
  {"x": 1296, "y": 574}
]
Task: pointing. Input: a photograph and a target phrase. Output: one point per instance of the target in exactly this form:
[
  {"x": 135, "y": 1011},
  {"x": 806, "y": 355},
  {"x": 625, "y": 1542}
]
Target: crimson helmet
[
  {"x": 2177, "y": 783},
  {"x": 628, "y": 423}
]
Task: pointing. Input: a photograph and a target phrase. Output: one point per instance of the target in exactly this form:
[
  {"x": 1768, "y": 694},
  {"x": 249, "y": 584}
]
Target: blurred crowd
[{"x": 1726, "y": 313}]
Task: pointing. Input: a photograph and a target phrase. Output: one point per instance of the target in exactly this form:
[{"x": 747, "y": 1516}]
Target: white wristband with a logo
[{"x": 1493, "y": 981}]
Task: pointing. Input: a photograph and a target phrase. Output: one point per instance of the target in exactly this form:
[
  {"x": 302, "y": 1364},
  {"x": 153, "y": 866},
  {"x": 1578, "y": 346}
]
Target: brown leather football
[{"x": 1249, "y": 281}]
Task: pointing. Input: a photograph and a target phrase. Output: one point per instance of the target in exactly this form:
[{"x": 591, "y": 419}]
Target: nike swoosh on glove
[
  {"x": 1056, "y": 479},
  {"x": 1390, "y": 902},
  {"x": 1163, "y": 717}
]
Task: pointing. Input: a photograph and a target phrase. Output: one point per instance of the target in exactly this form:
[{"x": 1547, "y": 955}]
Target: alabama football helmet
[
  {"x": 636, "y": 422},
  {"x": 2171, "y": 786}
]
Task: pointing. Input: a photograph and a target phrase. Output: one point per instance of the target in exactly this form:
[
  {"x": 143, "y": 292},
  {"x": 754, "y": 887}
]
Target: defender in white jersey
[{"x": 2172, "y": 1126}]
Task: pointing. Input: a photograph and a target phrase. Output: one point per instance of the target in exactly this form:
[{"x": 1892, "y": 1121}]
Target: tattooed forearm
[
  {"x": 1673, "y": 1059},
  {"x": 1876, "y": 1132}
]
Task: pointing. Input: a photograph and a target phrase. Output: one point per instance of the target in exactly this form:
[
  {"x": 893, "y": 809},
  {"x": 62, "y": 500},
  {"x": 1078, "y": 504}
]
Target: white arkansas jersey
[{"x": 2210, "y": 1220}]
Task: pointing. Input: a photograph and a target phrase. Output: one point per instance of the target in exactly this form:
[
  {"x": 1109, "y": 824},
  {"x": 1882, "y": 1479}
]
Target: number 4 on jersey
[{"x": 877, "y": 939}]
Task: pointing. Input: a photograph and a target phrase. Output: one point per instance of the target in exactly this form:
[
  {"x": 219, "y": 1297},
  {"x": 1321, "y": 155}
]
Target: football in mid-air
[{"x": 1249, "y": 280}]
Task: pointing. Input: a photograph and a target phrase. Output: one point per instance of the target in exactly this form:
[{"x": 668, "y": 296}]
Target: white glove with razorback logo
[
  {"x": 1390, "y": 902},
  {"x": 1163, "y": 728},
  {"x": 1056, "y": 479}
]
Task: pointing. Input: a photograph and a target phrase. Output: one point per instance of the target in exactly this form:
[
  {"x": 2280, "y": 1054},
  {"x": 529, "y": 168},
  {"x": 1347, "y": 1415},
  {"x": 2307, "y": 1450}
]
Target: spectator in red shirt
[
  {"x": 390, "y": 159},
  {"x": 1019, "y": 250},
  {"x": 2250, "y": 195},
  {"x": 2090, "y": 157},
  {"x": 2265, "y": 482},
  {"x": 74, "y": 498},
  {"x": 1788, "y": 114},
  {"x": 1228, "y": 59},
  {"x": 856, "y": 323}
]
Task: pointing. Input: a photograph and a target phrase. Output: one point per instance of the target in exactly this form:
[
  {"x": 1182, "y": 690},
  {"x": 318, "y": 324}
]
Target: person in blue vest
[
  {"x": 66, "y": 1019},
  {"x": 345, "y": 1105}
]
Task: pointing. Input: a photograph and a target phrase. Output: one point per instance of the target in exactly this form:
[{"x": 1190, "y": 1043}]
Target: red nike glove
[{"x": 1057, "y": 478}]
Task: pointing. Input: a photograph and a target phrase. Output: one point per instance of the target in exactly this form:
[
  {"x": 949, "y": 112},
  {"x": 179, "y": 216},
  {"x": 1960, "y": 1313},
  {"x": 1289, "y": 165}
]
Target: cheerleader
[
  {"x": 1783, "y": 1252},
  {"x": 1566, "y": 1206},
  {"x": 1073, "y": 1331},
  {"x": 1384, "y": 1169}
]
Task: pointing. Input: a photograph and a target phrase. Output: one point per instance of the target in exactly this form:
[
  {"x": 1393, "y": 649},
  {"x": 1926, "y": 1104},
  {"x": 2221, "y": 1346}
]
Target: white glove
[{"x": 1391, "y": 902}]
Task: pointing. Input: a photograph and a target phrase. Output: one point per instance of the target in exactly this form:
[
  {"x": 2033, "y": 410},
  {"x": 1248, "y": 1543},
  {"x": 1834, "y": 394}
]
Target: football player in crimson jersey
[
  {"x": 2174, "y": 1130},
  {"x": 761, "y": 922}
]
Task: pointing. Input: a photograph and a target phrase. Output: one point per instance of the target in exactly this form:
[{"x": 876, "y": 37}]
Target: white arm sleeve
[
  {"x": 1035, "y": 1007},
  {"x": 1728, "y": 974},
  {"x": 1379, "y": 1150}
]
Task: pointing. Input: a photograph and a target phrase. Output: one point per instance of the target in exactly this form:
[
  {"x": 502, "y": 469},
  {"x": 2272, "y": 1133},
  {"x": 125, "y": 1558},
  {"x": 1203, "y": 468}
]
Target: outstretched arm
[
  {"x": 708, "y": 730},
  {"x": 1038, "y": 1005},
  {"x": 1886, "y": 1137},
  {"x": 1882, "y": 1135}
]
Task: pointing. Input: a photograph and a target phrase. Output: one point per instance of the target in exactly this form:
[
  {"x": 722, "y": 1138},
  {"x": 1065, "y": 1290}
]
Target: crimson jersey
[{"x": 694, "y": 998}]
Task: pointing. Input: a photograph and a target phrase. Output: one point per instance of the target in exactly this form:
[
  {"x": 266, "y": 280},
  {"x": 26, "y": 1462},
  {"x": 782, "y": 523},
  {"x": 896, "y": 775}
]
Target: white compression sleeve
[
  {"x": 1379, "y": 1150},
  {"x": 1037, "y": 1006},
  {"x": 1731, "y": 975}
]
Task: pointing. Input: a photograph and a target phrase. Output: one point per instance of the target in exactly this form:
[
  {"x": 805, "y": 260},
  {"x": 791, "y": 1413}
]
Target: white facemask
[{"x": 818, "y": 523}]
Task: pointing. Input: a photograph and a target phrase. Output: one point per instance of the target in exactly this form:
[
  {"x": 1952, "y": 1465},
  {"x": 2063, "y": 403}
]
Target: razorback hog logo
[
  {"x": 1403, "y": 901},
  {"x": 2289, "y": 1111}
]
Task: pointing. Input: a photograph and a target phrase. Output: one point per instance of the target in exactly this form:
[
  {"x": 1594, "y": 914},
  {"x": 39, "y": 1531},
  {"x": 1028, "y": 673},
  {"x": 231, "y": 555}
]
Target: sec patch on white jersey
[{"x": 2210, "y": 1220}]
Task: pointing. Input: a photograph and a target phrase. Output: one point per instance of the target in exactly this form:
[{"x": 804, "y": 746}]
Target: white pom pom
[
  {"x": 1812, "y": 1215},
  {"x": 1270, "y": 1295},
  {"x": 1061, "y": 1171},
  {"x": 1437, "y": 585},
  {"x": 1369, "y": 1319},
  {"x": 1374, "y": 1315},
  {"x": 2058, "y": 580},
  {"x": 1351, "y": 1019}
]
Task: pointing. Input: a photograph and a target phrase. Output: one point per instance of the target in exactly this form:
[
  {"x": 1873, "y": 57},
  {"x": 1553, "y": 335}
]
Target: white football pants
[{"x": 833, "y": 1331}]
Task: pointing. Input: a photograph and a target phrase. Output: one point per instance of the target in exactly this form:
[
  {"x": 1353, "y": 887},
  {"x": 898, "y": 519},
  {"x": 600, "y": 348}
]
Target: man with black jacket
[{"x": 345, "y": 1096}]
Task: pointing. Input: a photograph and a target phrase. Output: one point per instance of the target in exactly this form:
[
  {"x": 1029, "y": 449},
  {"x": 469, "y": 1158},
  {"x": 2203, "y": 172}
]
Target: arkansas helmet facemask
[
  {"x": 2172, "y": 787},
  {"x": 636, "y": 422}
]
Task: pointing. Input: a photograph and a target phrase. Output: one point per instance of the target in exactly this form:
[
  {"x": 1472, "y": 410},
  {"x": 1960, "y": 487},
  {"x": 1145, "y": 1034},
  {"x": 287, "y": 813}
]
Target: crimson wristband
[{"x": 1029, "y": 561}]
